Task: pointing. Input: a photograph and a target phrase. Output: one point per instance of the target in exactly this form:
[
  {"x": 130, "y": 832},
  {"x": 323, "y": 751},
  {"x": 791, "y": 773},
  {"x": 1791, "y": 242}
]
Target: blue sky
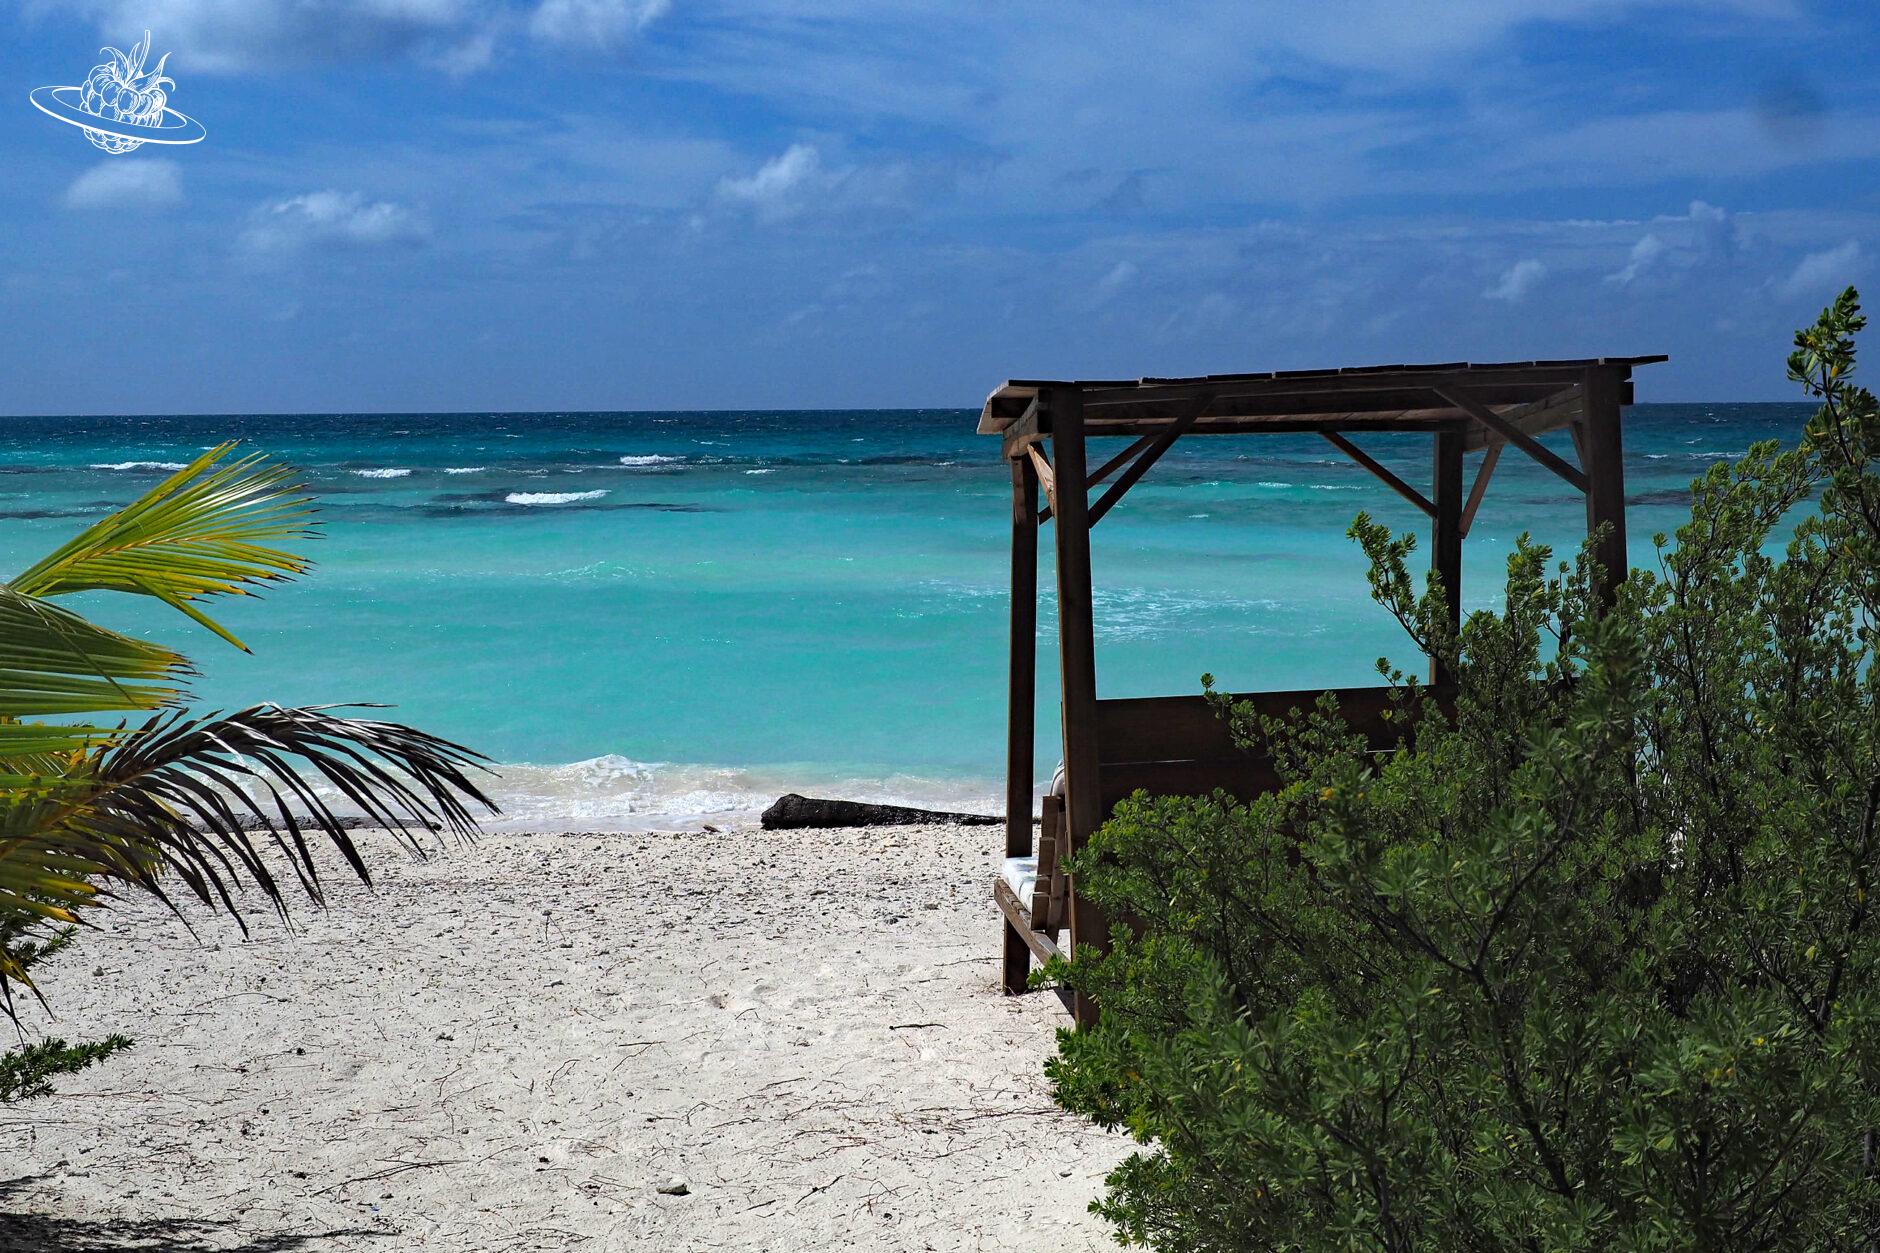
[{"x": 609, "y": 204}]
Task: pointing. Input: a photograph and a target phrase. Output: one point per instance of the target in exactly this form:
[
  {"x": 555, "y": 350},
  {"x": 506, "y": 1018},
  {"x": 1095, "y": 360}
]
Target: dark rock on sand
[{"x": 792, "y": 812}]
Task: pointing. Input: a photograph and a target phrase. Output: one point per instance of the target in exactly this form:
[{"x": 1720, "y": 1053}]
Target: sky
[{"x": 471, "y": 205}]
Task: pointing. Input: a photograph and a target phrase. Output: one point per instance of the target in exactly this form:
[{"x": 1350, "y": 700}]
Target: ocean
[{"x": 658, "y": 618}]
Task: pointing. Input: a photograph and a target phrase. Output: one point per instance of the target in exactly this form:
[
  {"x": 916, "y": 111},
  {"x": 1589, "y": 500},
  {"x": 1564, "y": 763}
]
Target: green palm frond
[
  {"x": 200, "y": 788},
  {"x": 204, "y": 797},
  {"x": 22, "y": 741},
  {"x": 219, "y": 802},
  {"x": 54, "y": 662},
  {"x": 204, "y": 531}
]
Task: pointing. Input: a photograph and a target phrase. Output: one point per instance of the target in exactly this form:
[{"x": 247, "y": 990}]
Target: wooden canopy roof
[{"x": 1534, "y": 396}]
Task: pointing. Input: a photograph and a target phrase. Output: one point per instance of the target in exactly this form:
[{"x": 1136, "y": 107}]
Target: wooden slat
[
  {"x": 1050, "y": 887},
  {"x": 1391, "y": 405},
  {"x": 1186, "y": 728},
  {"x": 1355, "y": 392},
  {"x": 1377, "y": 468},
  {"x": 1516, "y": 436},
  {"x": 1489, "y": 384},
  {"x": 1444, "y": 419},
  {"x": 1041, "y": 945},
  {"x": 1243, "y": 778}
]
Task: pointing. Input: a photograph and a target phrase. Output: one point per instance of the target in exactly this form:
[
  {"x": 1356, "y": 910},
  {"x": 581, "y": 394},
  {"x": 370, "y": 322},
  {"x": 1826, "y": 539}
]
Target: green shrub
[
  {"x": 1589, "y": 963},
  {"x": 28, "y": 1071}
]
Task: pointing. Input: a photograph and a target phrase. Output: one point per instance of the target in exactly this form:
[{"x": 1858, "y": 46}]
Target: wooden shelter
[{"x": 1175, "y": 745}]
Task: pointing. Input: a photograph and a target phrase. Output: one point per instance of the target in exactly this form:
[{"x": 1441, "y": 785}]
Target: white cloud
[
  {"x": 127, "y": 184},
  {"x": 777, "y": 180},
  {"x": 458, "y": 36},
  {"x": 595, "y": 23},
  {"x": 237, "y": 35},
  {"x": 800, "y": 183},
  {"x": 1819, "y": 275},
  {"x": 1703, "y": 237},
  {"x": 1644, "y": 255},
  {"x": 330, "y": 217},
  {"x": 1517, "y": 280}
]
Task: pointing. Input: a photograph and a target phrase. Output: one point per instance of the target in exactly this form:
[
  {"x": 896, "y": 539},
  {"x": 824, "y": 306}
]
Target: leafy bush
[
  {"x": 1590, "y": 962},
  {"x": 29, "y": 1070}
]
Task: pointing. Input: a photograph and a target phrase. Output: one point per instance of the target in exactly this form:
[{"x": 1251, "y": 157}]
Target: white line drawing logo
[{"x": 122, "y": 106}]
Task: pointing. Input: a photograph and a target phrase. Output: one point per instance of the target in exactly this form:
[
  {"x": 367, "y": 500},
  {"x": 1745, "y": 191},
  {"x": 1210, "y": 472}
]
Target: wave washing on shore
[
  {"x": 809, "y": 602},
  {"x": 613, "y": 793}
]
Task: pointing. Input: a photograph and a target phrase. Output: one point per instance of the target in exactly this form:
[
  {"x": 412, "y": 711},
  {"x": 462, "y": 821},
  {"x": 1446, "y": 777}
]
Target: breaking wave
[{"x": 552, "y": 498}]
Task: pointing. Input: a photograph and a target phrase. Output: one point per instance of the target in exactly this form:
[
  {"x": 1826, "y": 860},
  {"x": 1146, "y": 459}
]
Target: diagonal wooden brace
[{"x": 1514, "y": 435}]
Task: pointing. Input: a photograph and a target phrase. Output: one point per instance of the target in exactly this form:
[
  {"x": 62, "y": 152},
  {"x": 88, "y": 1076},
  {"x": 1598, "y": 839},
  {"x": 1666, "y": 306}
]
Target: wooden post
[
  {"x": 1077, "y": 663},
  {"x": 1603, "y": 460},
  {"x": 1022, "y": 687},
  {"x": 1446, "y": 533},
  {"x": 1021, "y": 697}
]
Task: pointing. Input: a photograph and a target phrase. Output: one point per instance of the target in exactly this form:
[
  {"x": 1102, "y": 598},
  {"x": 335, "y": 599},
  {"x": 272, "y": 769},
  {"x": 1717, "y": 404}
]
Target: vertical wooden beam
[
  {"x": 1603, "y": 459},
  {"x": 1022, "y": 685},
  {"x": 1077, "y": 663},
  {"x": 1446, "y": 532},
  {"x": 1021, "y": 698}
]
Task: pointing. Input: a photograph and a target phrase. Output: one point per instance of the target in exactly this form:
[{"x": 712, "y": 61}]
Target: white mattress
[{"x": 1021, "y": 875}]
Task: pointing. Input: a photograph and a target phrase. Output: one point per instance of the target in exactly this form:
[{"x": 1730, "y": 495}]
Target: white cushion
[{"x": 1021, "y": 875}]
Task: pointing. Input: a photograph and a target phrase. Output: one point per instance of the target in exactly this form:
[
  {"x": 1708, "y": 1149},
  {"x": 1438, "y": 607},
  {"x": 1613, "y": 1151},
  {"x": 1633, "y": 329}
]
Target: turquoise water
[{"x": 663, "y": 615}]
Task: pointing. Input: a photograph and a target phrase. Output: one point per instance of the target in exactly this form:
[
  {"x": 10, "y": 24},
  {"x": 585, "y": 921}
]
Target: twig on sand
[
  {"x": 399, "y": 1169},
  {"x": 813, "y": 1191}
]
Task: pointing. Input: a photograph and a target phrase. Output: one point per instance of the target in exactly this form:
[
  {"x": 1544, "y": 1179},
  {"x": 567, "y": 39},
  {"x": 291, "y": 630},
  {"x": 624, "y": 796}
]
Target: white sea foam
[
  {"x": 1272, "y": 483},
  {"x": 648, "y": 459},
  {"x": 137, "y": 465},
  {"x": 392, "y": 473},
  {"x": 618, "y": 793},
  {"x": 765, "y": 471},
  {"x": 552, "y": 498},
  {"x": 465, "y": 469}
]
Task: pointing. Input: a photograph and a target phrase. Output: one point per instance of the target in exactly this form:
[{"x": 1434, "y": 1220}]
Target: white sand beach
[{"x": 515, "y": 1045}]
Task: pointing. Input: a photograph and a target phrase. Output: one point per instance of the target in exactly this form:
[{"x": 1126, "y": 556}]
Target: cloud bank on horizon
[{"x": 494, "y": 204}]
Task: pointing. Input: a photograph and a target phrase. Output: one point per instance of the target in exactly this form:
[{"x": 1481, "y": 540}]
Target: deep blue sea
[{"x": 656, "y": 616}]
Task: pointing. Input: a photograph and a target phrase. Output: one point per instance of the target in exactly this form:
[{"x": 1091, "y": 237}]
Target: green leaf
[{"x": 205, "y": 531}]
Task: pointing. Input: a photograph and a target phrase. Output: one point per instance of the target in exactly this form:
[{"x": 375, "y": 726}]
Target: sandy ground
[{"x": 513, "y": 1046}]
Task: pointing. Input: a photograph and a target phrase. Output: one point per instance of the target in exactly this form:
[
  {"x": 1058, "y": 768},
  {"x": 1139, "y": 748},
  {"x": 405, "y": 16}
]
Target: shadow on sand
[{"x": 43, "y": 1233}]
